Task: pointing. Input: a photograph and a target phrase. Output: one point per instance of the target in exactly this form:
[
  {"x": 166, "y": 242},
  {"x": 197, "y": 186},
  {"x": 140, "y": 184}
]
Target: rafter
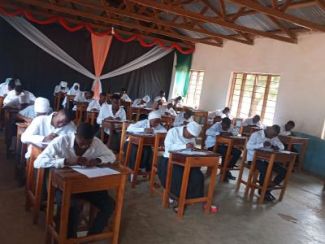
[
  {"x": 213, "y": 8},
  {"x": 196, "y": 16},
  {"x": 321, "y": 3},
  {"x": 279, "y": 14},
  {"x": 60, "y": 9}
]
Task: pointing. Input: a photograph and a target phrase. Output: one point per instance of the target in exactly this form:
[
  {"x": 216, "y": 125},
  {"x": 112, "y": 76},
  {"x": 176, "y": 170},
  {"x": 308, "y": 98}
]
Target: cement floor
[{"x": 298, "y": 219}]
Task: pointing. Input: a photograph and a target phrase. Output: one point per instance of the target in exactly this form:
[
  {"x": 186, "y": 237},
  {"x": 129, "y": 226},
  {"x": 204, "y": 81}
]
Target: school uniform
[
  {"x": 219, "y": 112},
  {"x": 250, "y": 122},
  {"x": 170, "y": 111},
  {"x": 285, "y": 132},
  {"x": 137, "y": 102},
  {"x": 216, "y": 130},
  {"x": 93, "y": 105},
  {"x": 126, "y": 98},
  {"x": 256, "y": 141},
  {"x": 29, "y": 112},
  {"x": 72, "y": 92},
  {"x": 4, "y": 87},
  {"x": 176, "y": 141},
  {"x": 40, "y": 128},
  {"x": 180, "y": 120},
  {"x": 14, "y": 100},
  {"x": 54, "y": 156},
  {"x": 146, "y": 158},
  {"x": 160, "y": 98},
  {"x": 58, "y": 89}
]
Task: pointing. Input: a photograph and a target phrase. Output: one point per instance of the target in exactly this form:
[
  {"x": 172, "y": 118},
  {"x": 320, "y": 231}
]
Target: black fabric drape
[{"x": 40, "y": 72}]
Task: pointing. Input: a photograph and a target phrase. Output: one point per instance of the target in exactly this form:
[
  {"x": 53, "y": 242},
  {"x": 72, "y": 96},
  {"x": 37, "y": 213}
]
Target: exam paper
[
  {"x": 95, "y": 171},
  {"x": 193, "y": 152}
]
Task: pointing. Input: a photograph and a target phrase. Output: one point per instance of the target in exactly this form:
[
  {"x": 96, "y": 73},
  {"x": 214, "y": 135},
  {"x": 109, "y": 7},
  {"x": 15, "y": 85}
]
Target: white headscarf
[
  {"x": 63, "y": 84},
  {"x": 41, "y": 105},
  {"x": 7, "y": 81},
  {"x": 154, "y": 115},
  {"x": 146, "y": 98},
  {"x": 194, "y": 128}
]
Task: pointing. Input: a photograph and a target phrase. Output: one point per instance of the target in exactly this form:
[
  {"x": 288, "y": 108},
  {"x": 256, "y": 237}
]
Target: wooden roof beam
[
  {"x": 218, "y": 21},
  {"x": 280, "y": 15}
]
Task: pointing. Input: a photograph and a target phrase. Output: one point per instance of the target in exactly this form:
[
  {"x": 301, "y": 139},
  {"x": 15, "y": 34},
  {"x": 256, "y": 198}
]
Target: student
[
  {"x": 177, "y": 102},
  {"x": 255, "y": 121},
  {"x": 73, "y": 91},
  {"x": 287, "y": 128},
  {"x": 4, "y": 89},
  {"x": 184, "y": 118},
  {"x": 151, "y": 125},
  {"x": 124, "y": 96},
  {"x": 40, "y": 107},
  {"x": 162, "y": 97},
  {"x": 112, "y": 111},
  {"x": 267, "y": 138},
  {"x": 84, "y": 149},
  {"x": 223, "y": 113},
  {"x": 223, "y": 128},
  {"x": 168, "y": 110},
  {"x": 178, "y": 138},
  {"x": 157, "y": 105},
  {"x": 44, "y": 129},
  {"x": 93, "y": 104},
  {"x": 61, "y": 88},
  {"x": 18, "y": 96},
  {"x": 102, "y": 98},
  {"x": 141, "y": 102}
]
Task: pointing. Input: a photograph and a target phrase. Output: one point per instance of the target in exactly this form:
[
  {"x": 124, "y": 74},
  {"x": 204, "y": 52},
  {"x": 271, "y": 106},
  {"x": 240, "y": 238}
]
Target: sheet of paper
[
  {"x": 95, "y": 171},
  {"x": 193, "y": 152}
]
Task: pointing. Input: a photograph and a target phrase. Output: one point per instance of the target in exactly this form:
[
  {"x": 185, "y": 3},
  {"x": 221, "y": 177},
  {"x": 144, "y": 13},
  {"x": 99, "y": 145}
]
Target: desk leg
[
  {"x": 302, "y": 156},
  {"x": 49, "y": 211},
  {"x": 127, "y": 156},
  {"x": 211, "y": 188},
  {"x": 182, "y": 195},
  {"x": 286, "y": 179},
  {"x": 38, "y": 194},
  {"x": 118, "y": 209},
  {"x": 137, "y": 162},
  {"x": 168, "y": 183},
  {"x": 64, "y": 215},
  {"x": 226, "y": 162},
  {"x": 266, "y": 179}
]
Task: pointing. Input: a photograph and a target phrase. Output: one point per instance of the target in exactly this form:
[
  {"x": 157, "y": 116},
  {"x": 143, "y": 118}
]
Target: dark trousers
[
  {"x": 100, "y": 199},
  {"x": 235, "y": 155},
  {"x": 195, "y": 186},
  {"x": 146, "y": 158},
  {"x": 281, "y": 171}
]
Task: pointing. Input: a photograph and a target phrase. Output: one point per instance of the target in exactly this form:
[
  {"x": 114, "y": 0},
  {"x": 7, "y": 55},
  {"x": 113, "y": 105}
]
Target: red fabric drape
[
  {"x": 72, "y": 28},
  {"x": 100, "y": 46}
]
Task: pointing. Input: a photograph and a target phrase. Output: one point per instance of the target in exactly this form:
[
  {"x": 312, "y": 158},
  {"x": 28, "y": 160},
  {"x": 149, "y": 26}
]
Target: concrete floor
[{"x": 299, "y": 218}]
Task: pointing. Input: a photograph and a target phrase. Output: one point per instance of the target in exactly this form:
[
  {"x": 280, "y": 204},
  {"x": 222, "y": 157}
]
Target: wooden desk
[
  {"x": 58, "y": 98},
  {"x": 9, "y": 120},
  {"x": 287, "y": 159},
  {"x": 289, "y": 141},
  {"x": 248, "y": 130},
  {"x": 72, "y": 182},
  {"x": 111, "y": 124},
  {"x": 141, "y": 140},
  {"x": 230, "y": 142},
  {"x": 81, "y": 112},
  {"x": 139, "y": 111},
  {"x": 1, "y": 112},
  {"x": 201, "y": 117},
  {"x": 70, "y": 99},
  {"x": 91, "y": 117},
  {"x": 21, "y": 127},
  {"x": 209, "y": 160}
]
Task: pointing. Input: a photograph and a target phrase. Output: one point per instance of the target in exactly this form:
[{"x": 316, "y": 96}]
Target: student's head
[
  {"x": 123, "y": 91},
  {"x": 156, "y": 105},
  {"x": 226, "y": 110},
  {"x": 169, "y": 105},
  {"x": 178, "y": 99},
  {"x": 256, "y": 119},
  {"x": 192, "y": 130},
  {"x": 76, "y": 86},
  {"x": 162, "y": 93},
  {"x": 154, "y": 118},
  {"x": 11, "y": 84},
  {"x": 116, "y": 101},
  {"x": 63, "y": 85},
  {"x": 18, "y": 86},
  {"x": 272, "y": 131},
  {"x": 188, "y": 113},
  {"x": 102, "y": 98},
  {"x": 41, "y": 106},
  {"x": 225, "y": 124},
  {"x": 89, "y": 94},
  {"x": 84, "y": 136},
  {"x": 289, "y": 125},
  {"x": 61, "y": 118},
  {"x": 145, "y": 99}
]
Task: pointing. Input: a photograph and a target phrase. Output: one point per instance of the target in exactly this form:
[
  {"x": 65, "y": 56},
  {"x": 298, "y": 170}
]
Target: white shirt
[
  {"x": 126, "y": 98},
  {"x": 4, "y": 89},
  {"x": 257, "y": 140},
  {"x": 80, "y": 98},
  {"x": 28, "y": 112},
  {"x": 175, "y": 140},
  {"x": 72, "y": 92},
  {"x": 136, "y": 103},
  {"x": 220, "y": 113},
  {"x": 179, "y": 120},
  {"x": 58, "y": 89},
  {"x": 163, "y": 99},
  {"x": 250, "y": 122},
  {"x": 93, "y": 104},
  {"x": 54, "y": 156},
  {"x": 169, "y": 111},
  {"x": 141, "y": 125},
  {"x": 41, "y": 127},
  {"x": 285, "y": 132},
  {"x": 13, "y": 100},
  {"x": 215, "y": 130},
  {"x": 107, "y": 111}
]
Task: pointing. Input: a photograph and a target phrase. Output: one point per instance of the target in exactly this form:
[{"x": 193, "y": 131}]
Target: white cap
[
  {"x": 17, "y": 82},
  {"x": 7, "y": 80},
  {"x": 154, "y": 115},
  {"x": 146, "y": 98},
  {"x": 194, "y": 128},
  {"x": 76, "y": 84},
  {"x": 23, "y": 98},
  {"x": 63, "y": 84},
  {"x": 41, "y": 105}
]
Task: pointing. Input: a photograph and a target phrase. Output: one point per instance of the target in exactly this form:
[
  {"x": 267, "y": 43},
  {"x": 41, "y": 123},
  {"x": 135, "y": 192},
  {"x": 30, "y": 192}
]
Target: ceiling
[{"x": 187, "y": 22}]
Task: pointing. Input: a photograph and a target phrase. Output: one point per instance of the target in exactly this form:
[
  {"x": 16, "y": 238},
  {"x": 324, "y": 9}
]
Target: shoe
[
  {"x": 230, "y": 176},
  {"x": 269, "y": 197}
]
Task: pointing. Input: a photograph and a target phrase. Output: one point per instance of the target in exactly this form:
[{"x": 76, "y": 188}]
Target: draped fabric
[
  {"x": 100, "y": 47},
  {"x": 182, "y": 76},
  {"x": 42, "y": 41}
]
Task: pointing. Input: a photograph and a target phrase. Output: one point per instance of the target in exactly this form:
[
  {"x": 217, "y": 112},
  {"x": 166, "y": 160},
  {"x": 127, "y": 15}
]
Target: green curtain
[{"x": 182, "y": 76}]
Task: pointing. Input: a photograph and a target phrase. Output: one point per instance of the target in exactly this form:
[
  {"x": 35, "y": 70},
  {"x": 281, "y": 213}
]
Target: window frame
[{"x": 195, "y": 89}]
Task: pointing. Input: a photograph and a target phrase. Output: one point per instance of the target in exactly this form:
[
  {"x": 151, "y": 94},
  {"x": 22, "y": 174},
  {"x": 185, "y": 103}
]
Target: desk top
[
  {"x": 194, "y": 153},
  {"x": 272, "y": 151},
  {"x": 141, "y": 134},
  {"x": 288, "y": 139},
  {"x": 22, "y": 124}
]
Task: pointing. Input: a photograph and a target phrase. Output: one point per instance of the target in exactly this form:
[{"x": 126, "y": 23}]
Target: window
[
  {"x": 254, "y": 94},
  {"x": 192, "y": 98}
]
